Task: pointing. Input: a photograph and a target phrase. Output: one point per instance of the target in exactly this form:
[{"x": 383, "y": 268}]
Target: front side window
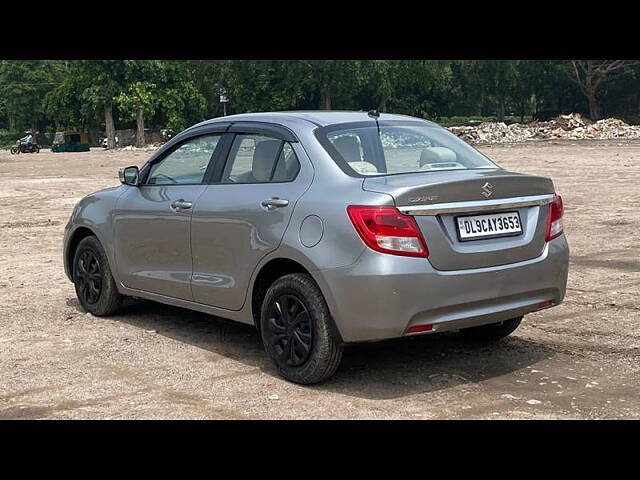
[
  {"x": 405, "y": 148},
  {"x": 260, "y": 159},
  {"x": 187, "y": 164}
]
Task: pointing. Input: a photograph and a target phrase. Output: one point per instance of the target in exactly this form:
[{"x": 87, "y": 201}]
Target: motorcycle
[{"x": 21, "y": 147}]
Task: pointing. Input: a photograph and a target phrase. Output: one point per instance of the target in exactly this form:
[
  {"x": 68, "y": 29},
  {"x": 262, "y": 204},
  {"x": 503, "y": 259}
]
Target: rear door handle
[
  {"x": 181, "y": 204},
  {"x": 273, "y": 203}
]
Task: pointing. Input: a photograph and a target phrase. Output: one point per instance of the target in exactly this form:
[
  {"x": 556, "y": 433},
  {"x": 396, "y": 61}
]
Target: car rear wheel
[
  {"x": 493, "y": 331},
  {"x": 297, "y": 330},
  {"x": 95, "y": 286}
]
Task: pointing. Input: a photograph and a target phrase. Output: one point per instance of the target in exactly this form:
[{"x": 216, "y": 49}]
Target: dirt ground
[{"x": 578, "y": 360}]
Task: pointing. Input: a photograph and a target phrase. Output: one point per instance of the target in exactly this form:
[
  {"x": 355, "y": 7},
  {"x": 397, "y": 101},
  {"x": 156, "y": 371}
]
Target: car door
[
  {"x": 243, "y": 216},
  {"x": 152, "y": 221}
]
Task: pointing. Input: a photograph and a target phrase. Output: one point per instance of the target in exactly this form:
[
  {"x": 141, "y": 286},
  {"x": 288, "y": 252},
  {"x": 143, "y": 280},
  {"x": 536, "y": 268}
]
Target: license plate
[{"x": 476, "y": 227}]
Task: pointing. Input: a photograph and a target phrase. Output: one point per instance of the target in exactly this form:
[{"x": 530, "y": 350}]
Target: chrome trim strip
[{"x": 477, "y": 206}]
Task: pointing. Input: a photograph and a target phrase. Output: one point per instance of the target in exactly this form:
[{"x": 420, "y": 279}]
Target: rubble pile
[
  {"x": 150, "y": 147},
  {"x": 489, "y": 132},
  {"x": 572, "y": 127}
]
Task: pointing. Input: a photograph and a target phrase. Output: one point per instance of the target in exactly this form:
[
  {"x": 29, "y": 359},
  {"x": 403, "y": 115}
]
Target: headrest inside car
[
  {"x": 437, "y": 155},
  {"x": 264, "y": 157},
  {"x": 348, "y": 147}
]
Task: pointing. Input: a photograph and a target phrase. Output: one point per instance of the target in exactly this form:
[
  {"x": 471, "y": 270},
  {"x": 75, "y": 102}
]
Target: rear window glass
[{"x": 391, "y": 149}]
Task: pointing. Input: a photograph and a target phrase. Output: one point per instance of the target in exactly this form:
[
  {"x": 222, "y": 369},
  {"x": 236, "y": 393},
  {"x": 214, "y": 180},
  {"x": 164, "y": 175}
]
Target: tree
[
  {"x": 23, "y": 84},
  {"x": 154, "y": 86},
  {"x": 139, "y": 96},
  {"x": 333, "y": 79},
  {"x": 530, "y": 78},
  {"x": 377, "y": 84},
  {"x": 105, "y": 80},
  {"x": 175, "y": 94},
  {"x": 89, "y": 87},
  {"x": 590, "y": 75},
  {"x": 498, "y": 77},
  {"x": 64, "y": 106},
  {"x": 209, "y": 77},
  {"x": 419, "y": 87},
  {"x": 466, "y": 92},
  {"x": 180, "y": 103},
  {"x": 137, "y": 101}
]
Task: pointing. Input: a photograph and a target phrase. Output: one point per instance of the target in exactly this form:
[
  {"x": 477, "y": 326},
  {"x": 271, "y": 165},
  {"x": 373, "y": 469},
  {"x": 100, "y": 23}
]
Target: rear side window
[
  {"x": 187, "y": 164},
  {"x": 260, "y": 159}
]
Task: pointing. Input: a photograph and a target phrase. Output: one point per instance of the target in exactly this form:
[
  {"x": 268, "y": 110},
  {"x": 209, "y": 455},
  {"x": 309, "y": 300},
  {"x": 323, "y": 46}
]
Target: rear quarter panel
[{"x": 327, "y": 198}]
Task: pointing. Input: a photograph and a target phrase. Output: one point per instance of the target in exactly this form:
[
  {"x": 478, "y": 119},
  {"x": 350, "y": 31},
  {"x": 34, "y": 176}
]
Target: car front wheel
[
  {"x": 297, "y": 330},
  {"x": 95, "y": 286}
]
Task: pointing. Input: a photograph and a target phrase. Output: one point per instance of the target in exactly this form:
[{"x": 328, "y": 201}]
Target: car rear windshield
[{"x": 398, "y": 148}]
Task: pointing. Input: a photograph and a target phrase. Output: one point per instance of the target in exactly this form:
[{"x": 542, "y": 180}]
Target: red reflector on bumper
[
  {"x": 419, "y": 328},
  {"x": 545, "y": 304}
]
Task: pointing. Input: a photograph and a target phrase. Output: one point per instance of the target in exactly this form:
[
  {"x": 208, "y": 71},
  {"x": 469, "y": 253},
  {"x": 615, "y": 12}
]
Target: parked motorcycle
[{"x": 21, "y": 147}]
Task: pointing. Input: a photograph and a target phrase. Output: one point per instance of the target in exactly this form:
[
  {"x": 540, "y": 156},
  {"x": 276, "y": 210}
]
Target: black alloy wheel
[
  {"x": 290, "y": 329},
  {"x": 89, "y": 276}
]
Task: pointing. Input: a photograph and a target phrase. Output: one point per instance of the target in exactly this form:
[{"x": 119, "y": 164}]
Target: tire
[
  {"x": 493, "y": 331},
  {"x": 15, "y": 150},
  {"x": 303, "y": 346},
  {"x": 36, "y": 149},
  {"x": 95, "y": 287}
]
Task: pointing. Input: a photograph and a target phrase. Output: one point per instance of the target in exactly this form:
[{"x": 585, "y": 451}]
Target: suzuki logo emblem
[{"x": 487, "y": 190}]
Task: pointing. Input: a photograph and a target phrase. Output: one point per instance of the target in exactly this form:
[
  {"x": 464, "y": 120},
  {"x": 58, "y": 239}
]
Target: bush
[
  {"x": 459, "y": 121},
  {"x": 8, "y": 138}
]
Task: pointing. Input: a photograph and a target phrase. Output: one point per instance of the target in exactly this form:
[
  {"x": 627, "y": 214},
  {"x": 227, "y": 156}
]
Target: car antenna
[{"x": 375, "y": 114}]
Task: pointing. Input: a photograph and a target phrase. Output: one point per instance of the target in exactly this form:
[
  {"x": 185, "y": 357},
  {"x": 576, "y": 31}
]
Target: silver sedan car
[{"x": 324, "y": 229}]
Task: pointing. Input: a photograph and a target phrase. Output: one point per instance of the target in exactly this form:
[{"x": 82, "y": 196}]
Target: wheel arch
[
  {"x": 270, "y": 272},
  {"x": 74, "y": 240}
]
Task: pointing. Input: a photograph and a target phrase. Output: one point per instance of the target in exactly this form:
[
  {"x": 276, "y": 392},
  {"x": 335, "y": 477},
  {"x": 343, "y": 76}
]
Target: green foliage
[
  {"x": 22, "y": 86},
  {"x": 78, "y": 101},
  {"x": 176, "y": 94},
  {"x": 65, "y": 105},
  {"x": 478, "y": 119},
  {"x": 8, "y": 138},
  {"x": 182, "y": 105}
]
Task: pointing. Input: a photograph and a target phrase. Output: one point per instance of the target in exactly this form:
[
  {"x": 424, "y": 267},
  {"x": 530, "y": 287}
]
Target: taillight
[
  {"x": 555, "y": 224},
  {"x": 386, "y": 230}
]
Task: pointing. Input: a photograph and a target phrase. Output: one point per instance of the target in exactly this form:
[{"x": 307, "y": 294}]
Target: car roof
[{"x": 320, "y": 118}]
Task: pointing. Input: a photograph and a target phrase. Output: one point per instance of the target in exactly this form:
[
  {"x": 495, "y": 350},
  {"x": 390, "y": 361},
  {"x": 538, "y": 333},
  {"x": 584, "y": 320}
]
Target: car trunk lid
[{"x": 436, "y": 199}]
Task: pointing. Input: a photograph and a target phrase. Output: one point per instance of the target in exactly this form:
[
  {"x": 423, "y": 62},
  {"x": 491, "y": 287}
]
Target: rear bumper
[{"x": 380, "y": 296}]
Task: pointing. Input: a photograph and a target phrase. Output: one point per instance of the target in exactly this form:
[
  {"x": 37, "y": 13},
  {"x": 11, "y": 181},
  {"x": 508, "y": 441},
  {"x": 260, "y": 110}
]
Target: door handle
[
  {"x": 273, "y": 203},
  {"x": 181, "y": 204}
]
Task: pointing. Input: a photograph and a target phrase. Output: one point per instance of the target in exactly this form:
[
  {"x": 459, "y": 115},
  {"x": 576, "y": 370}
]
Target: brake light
[
  {"x": 555, "y": 225},
  {"x": 386, "y": 230}
]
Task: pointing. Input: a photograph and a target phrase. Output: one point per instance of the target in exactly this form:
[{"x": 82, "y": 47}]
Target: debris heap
[{"x": 572, "y": 127}]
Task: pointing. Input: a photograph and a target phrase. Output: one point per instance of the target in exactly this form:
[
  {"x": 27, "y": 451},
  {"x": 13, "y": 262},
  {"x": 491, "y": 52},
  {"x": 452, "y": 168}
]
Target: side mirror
[{"x": 129, "y": 176}]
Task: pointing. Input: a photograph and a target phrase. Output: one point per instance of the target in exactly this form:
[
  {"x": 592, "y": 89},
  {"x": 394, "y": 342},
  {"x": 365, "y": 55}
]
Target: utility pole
[{"x": 224, "y": 100}]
